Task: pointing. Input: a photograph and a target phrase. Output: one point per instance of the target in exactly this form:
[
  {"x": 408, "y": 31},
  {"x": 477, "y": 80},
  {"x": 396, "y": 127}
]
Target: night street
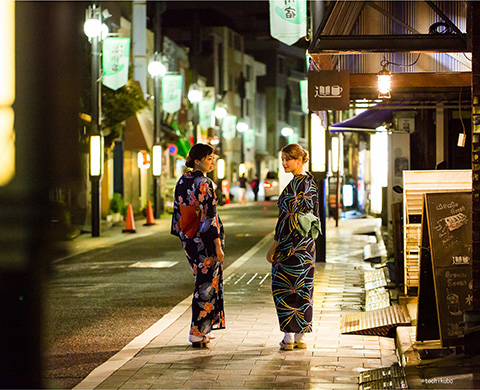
[
  {"x": 100, "y": 300},
  {"x": 338, "y": 142}
]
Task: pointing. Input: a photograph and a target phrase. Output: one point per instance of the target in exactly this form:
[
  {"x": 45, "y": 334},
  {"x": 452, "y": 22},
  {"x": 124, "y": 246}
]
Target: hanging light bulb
[{"x": 384, "y": 80}]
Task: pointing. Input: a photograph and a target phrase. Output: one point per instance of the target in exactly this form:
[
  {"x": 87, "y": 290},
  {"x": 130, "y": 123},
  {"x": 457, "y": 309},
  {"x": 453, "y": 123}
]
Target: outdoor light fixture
[
  {"x": 287, "y": 131},
  {"x": 221, "y": 168},
  {"x": 157, "y": 160},
  {"x": 195, "y": 94},
  {"x": 104, "y": 31},
  {"x": 335, "y": 154},
  {"x": 317, "y": 135},
  {"x": 242, "y": 126},
  {"x": 156, "y": 68},
  {"x": 384, "y": 81},
  {"x": 7, "y": 91},
  {"x": 241, "y": 169},
  {"x": 220, "y": 112},
  {"x": 96, "y": 155},
  {"x": 93, "y": 24}
]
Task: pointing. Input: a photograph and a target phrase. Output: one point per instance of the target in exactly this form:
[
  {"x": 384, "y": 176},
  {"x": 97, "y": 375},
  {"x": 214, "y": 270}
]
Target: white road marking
[
  {"x": 253, "y": 277},
  {"x": 154, "y": 264}
]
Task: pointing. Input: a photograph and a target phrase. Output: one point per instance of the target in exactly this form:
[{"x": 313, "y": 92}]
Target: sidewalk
[{"x": 246, "y": 355}]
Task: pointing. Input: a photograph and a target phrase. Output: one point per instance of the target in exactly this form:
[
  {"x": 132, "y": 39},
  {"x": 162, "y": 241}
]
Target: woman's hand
[
  {"x": 271, "y": 251},
  {"x": 220, "y": 254},
  {"x": 219, "y": 250}
]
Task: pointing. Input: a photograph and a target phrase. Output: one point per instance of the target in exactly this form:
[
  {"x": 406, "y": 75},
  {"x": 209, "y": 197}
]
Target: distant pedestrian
[
  {"x": 242, "y": 182},
  {"x": 255, "y": 185},
  {"x": 195, "y": 220},
  {"x": 292, "y": 252}
]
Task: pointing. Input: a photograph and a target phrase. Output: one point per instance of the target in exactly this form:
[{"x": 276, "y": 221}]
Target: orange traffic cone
[
  {"x": 129, "y": 222},
  {"x": 150, "y": 219}
]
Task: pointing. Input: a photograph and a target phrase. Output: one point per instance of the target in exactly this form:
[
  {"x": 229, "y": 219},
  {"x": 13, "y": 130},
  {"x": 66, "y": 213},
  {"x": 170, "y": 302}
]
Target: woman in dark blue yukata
[
  {"x": 292, "y": 252},
  {"x": 195, "y": 220}
]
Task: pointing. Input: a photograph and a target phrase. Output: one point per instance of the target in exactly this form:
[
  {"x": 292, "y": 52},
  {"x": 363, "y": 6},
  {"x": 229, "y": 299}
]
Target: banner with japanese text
[
  {"x": 115, "y": 58},
  {"x": 249, "y": 139},
  {"x": 205, "y": 113},
  {"x": 288, "y": 20},
  {"x": 172, "y": 92},
  {"x": 229, "y": 126}
]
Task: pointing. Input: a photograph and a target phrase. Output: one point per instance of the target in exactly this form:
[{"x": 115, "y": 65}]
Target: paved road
[{"x": 100, "y": 300}]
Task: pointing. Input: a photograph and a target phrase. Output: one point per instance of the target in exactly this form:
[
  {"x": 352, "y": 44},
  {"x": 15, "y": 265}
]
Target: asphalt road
[{"x": 98, "y": 301}]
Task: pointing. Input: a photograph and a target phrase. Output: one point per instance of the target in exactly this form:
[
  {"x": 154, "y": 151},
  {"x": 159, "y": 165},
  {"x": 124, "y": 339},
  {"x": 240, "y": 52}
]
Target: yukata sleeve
[
  {"x": 209, "y": 222},
  {"x": 175, "y": 228},
  {"x": 292, "y": 202}
]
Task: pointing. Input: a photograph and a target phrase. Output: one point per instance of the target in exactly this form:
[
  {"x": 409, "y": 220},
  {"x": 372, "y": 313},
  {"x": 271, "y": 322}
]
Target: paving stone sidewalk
[{"x": 246, "y": 355}]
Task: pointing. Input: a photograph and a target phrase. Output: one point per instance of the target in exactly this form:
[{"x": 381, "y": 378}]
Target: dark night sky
[{"x": 249, "y": 18}]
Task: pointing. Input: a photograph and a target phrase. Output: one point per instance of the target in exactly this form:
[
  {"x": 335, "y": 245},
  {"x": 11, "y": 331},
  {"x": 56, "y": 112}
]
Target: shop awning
[
  {"x": 138, "y": 134},
  {"x": 367, "y": 121}
]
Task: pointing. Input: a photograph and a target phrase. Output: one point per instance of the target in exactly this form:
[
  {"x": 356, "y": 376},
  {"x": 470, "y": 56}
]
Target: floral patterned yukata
[
  {"x": 293, "y": 261},
  {"x": 196, "y": 222}
]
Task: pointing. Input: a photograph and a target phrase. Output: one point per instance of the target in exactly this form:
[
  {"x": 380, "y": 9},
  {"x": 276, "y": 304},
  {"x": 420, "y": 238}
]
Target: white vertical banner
[
  {"x": 229, "y": 125},
  {"x": 288, "y": 20},
  {"x": 116, "y": 52},
  {"x": 172, "y": 93},
  {"x": 205, "y": 112}
]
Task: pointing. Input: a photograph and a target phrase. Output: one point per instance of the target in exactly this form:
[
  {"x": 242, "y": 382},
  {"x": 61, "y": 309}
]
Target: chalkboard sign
[{"x": 446, "y": 285}]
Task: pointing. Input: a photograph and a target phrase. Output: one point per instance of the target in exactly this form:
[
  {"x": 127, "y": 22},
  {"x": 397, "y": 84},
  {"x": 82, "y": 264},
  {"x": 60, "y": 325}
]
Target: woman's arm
[{"x": 271, "y": 251}]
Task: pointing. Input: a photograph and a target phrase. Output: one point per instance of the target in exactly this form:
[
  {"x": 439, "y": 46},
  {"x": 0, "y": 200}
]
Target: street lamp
[
  {"x": 93, "y": 30},
  {"x": 195, "y": 95},
  {"x": 287, "y": 131},
  {"x": 220, "y": 112},
  {"x": 157, "y": 70}
]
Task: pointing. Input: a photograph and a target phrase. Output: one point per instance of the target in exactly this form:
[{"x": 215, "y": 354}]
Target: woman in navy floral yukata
[
  {"x": 196, "y": 222},
  {"x": 292, "y": 253}
]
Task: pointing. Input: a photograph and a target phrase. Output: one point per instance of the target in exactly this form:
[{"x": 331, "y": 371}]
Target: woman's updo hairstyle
[
  {"x": 198, "y": 152},
  {"x": 294, "y": 151}
]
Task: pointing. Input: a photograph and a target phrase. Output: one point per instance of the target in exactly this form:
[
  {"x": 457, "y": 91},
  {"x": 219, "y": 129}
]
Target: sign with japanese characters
[
  {"x": 115, "y": 62},
  {"x": 288, "y": 20},
  {"x": 446, "y": 281},
  {"x": 249, "y": 138},
  {"x": 229, "y": 125},
  {"x": 205, "y": 113},
  {"x": 172, "y": 92},
  {"x": 328, "y": 90}
]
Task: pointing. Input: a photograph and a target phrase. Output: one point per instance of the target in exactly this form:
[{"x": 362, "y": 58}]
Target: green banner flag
[
  {"x": 172, "y": 92},
  {"x": 205, "y": 111},
  {"x": 249, "y": 138},
  {"x": 304, "y": 95},
  {"x": 183, "y": 146},
  {"x": 229, "y": 126},
  {"x": 288, "y": 20},
  {"x": 115, "y": 62}
]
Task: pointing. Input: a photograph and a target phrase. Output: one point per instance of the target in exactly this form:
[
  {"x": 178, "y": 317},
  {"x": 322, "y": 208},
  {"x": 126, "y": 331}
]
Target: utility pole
[{"x": 157, "y": 113}]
